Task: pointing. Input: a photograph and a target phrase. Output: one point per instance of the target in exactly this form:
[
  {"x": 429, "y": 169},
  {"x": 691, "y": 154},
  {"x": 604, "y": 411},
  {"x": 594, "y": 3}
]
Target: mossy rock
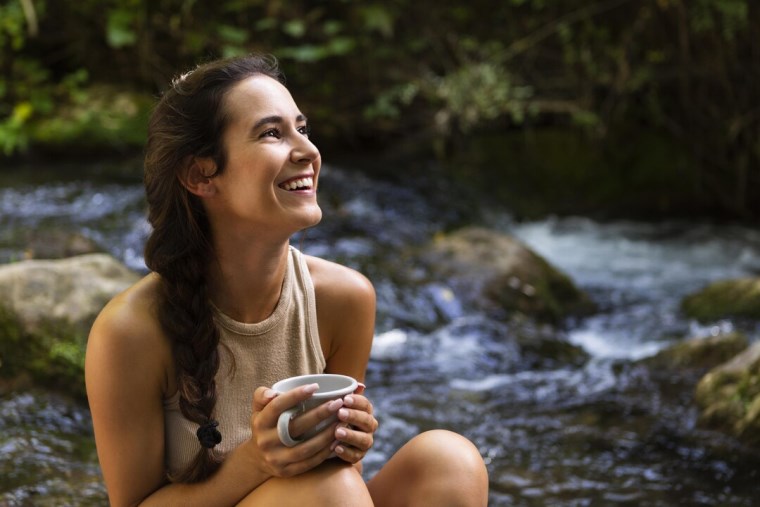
[
  {"x": 495, "y": 272},
  {"x": 52, "y": 356},
  {"x": 699, "y": 353},
  {"x": 726, "y": 298},
  {"x": 729, "y": 397},
  {"x": 46, "y": 310}
]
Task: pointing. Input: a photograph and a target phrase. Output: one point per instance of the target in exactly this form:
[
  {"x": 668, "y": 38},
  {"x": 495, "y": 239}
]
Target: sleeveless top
[{"x": 283, "y": 345}]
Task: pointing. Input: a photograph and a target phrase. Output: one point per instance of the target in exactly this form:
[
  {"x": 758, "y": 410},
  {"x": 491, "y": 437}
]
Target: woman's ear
[{"x": 198, "y": 176}]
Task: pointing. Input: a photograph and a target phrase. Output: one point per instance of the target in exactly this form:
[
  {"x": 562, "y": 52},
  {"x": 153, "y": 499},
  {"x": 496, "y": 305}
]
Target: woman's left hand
[{"x": 355, "y": 437}]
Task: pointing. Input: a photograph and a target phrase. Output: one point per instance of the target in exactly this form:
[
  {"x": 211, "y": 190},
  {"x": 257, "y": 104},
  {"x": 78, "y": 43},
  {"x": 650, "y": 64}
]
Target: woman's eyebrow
[{"x": 275, "y": 119}]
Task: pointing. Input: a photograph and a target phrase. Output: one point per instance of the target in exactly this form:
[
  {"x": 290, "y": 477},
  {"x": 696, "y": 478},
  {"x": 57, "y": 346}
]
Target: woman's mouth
[{"x": 298, "y": 184}]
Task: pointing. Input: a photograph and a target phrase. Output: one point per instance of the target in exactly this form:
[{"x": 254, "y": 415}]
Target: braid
[
  {"x": 186, "y": 316},
  {"x": 188, "y": 122}
]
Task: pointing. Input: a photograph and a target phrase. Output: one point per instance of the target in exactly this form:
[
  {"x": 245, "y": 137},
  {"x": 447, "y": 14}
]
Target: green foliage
[
  {"x": 97, "y": 117},
  {"x": 119, "y": 28},
  {"x": 375, "y": 70},
  {"x": 12, "y": 26}
]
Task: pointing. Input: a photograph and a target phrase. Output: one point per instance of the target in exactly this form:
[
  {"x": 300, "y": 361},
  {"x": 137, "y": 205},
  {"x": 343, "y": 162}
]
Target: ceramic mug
[{"x": 331, "y": 387}]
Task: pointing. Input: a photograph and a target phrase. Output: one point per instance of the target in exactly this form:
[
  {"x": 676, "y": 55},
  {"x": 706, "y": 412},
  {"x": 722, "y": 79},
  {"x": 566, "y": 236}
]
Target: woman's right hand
[{"x": 271, "y": 456}]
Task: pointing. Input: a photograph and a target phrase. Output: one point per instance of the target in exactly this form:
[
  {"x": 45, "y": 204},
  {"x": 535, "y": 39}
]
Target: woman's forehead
[{"x": 260, "y": 96}]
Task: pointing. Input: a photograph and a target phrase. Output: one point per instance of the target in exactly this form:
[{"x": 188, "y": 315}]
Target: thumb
[{"x": 261, "y": 398}]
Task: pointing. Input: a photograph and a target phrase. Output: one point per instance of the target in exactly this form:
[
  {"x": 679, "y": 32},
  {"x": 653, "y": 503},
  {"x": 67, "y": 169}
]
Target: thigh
[{"x": 333, "y": 483}]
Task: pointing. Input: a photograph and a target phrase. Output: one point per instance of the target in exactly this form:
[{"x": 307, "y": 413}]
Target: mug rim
[{"x": 353, "y": 385}]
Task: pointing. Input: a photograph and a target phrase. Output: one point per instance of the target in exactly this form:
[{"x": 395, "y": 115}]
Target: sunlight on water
[
  {"x": 625, "y": 255},
  {"x": 608, "y": 345}
]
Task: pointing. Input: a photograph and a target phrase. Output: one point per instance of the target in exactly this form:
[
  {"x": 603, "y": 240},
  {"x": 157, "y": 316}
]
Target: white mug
[{"x": 331, "y": 387}]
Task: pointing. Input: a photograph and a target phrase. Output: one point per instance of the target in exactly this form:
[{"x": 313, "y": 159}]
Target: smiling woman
[{"x": 179, "y": 366}]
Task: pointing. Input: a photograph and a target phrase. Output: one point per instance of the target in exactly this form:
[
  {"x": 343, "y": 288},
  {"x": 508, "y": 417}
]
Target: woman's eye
[
  {"x": 305, "y": 130},
  {"x": 271, "y": 133}
]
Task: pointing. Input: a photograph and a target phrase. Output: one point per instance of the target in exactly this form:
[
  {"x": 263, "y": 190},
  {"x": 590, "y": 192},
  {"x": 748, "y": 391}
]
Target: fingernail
[
  {"x": 311, "y": 388},
  {"x": 343, "y": 413},
  {"x": 339, "y": 450},
  {"x": 340, "y": 433},
  {"x": 270, "y": 393},
  {"x": 335, "y": 405},
  {"x": 348, "y": 400}
]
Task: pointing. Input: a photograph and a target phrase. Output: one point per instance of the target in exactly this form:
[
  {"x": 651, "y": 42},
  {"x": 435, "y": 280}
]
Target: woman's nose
[{"x": 304, "y": 151}]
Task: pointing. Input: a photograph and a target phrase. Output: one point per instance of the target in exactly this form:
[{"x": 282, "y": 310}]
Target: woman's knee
[
  {"x": 330, "y": 484},
  {"x": 447, "y": 450},
  {"x": 450, "y": 466}
]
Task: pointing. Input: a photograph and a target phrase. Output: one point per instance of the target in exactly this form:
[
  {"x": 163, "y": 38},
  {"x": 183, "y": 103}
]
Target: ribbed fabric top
[{"x": 283, "y": 345}]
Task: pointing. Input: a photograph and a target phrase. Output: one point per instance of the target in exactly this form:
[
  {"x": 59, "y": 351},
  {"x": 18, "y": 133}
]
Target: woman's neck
[{"x": 245, "y": 282}]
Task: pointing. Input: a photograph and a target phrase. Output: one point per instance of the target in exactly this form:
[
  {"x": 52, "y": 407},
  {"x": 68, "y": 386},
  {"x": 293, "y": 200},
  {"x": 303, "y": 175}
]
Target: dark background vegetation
[{"x": 634, "y": 108}]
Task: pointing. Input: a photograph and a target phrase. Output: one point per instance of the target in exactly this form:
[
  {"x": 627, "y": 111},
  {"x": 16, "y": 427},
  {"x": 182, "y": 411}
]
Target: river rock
[
  {"x": 726, "y": 298},
  {"x": 58, "y": 244},
  {"x": 699, "y": 353},
  {"x": 46, "y": 310},
  {"x": 495, "y": 272},
  {"x": 729, "y": 397}
]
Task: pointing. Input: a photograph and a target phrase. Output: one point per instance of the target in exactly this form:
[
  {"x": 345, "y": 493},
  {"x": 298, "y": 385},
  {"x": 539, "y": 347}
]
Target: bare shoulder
[
  {"x": 127, "y": 336},
  {"x": 345, "y": 316},
  {"x": 128, "y": 374},
  {"x": 338, "y": 283}
]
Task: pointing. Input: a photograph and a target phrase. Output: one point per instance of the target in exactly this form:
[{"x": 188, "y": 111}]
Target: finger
[
  {"x": 349, "y": 454},
  {"x": 285, "y": 401},
  {"x": 359, "y": 419},
  {"x": 360, "y": 389},
  {"x": 317, "y": 446},
  {"x": 358, "y": 402},
  {"x": 306, "y": 464},
  {"x": 306, "y": 421},
  {"x": 357, "y": 439}
]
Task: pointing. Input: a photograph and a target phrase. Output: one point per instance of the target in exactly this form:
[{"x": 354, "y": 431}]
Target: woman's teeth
[{"x": 298, "y": 184}]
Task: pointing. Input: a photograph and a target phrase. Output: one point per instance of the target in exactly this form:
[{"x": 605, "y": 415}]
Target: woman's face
[{"x": 270, "y": 181}]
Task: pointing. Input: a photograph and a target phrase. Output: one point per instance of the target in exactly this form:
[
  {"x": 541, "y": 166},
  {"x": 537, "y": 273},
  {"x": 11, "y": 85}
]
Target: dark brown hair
[{"x": 188, "y": 122}]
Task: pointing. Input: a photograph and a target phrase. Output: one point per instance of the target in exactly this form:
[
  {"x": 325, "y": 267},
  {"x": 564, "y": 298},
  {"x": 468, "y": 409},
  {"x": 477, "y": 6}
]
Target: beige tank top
[{"x": 283, "y": 345}]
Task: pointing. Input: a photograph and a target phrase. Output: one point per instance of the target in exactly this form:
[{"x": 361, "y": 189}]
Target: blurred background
[
  {"x": 614, "y": 107},
  {"x": 610, "y": 148}
]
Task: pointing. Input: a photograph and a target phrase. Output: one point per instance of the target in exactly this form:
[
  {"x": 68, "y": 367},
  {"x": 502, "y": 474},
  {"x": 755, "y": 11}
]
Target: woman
[{"x": 179, "y": 366}]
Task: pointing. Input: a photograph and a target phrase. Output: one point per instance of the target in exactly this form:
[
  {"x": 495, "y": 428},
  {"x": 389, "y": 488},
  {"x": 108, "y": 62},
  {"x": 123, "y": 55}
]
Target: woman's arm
[
  {"x": 346, "y": 320},
  {"x": 345, "y": 316},
  {"x": 128, "y": 372}
]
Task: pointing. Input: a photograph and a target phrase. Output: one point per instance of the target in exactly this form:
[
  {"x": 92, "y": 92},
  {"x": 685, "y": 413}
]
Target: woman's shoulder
[
  {"x": 335, "y": 281},
  {"x": 134, "y": 310},
  {"x": 345, "y": 315},
  {"x": 127, "y": 332}
]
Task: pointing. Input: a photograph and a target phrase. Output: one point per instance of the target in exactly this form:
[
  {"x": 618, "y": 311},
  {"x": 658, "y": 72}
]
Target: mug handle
[{"x": 283, "y": 431}]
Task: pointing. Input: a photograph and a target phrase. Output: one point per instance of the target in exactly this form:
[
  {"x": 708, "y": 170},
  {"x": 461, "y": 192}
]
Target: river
[{"x": 595, "y": 428}]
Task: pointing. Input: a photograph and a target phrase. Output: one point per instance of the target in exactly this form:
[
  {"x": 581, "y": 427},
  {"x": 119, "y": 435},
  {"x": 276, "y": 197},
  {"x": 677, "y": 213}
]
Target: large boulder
[
  {"x": 46, "y": 310},
  {"x": 729, "y": 397},
  {"x": 495, "y": 272},
  {"x": 726, "y": 298}
]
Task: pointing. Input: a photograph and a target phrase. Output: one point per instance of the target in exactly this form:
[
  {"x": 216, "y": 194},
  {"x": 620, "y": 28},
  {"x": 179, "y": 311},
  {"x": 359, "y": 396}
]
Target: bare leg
[
  {"x": 332, "y": 484},
  {"x": 437, "y": 468}
]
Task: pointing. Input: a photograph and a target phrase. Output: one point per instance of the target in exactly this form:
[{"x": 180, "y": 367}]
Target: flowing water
[{"x": 589, "y": 428}]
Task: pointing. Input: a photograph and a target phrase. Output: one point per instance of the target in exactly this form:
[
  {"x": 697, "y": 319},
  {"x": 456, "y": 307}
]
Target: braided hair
[{"x": 189, "y": 121}]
